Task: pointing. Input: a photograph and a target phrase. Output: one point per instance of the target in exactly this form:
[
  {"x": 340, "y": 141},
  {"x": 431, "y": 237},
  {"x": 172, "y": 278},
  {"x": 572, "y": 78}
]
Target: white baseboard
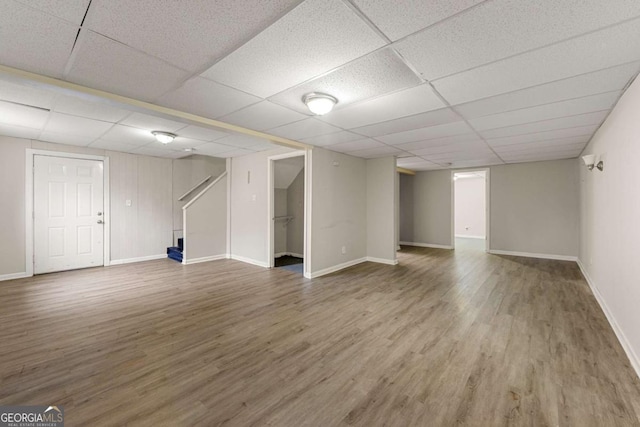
[
  {"x": 139, "y": 259},
  {"x": 382, "y": 260},
  {"x": 534, "y": 255},
  {"x": 626, "y": 346},
  {"x": 14, "y": 276},
  {"x": 335, "y": 268},
  {"x": 426, "y": 245},
  {"x": 203, "y": 259},
  {"x": 464, "y": 236},
  {"x": 250, "y": 261}
]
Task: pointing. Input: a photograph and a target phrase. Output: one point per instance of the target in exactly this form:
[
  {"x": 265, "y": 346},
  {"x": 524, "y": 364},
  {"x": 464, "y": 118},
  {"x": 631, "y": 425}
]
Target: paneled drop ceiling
[{"x": 437, "y": 83}]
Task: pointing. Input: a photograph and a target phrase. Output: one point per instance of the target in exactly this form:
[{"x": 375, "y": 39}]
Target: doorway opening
[
  {"x": 470, "y": 222},
  {"x": 287, "y": 208}
]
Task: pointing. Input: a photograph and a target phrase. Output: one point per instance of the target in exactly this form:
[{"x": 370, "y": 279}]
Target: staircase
[{"x": 175, "y": 252}]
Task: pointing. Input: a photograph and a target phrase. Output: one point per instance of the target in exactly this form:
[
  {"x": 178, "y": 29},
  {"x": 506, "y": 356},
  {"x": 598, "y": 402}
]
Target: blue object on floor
[
  {"x": 175, "y": 253},
  {"x": 295, "y": 268}
]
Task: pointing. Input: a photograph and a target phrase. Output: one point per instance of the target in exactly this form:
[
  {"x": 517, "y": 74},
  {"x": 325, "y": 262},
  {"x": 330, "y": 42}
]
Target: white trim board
[
  {"x": 534, "y": 255},
  {"x": 204, "y": 259},
  {"x": 139, "y": 259},
  {"x": 382, "y": 260},
  {"x": 13, "y": 276},
  {"x": 622, "y": 338},
  {"x": 426, "y": 245},
  {"x": 335, "y": 268},
  {"x": 462, "y": 236},
  {"x": 249, "y": 261}
]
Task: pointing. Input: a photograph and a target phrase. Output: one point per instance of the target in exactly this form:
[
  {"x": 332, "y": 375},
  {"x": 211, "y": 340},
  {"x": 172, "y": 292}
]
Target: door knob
[{"x": 100, "y": 221}]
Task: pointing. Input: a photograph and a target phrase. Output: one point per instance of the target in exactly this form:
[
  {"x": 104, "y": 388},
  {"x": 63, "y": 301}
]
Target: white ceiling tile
[
  {"x": 105, "y": 64},
  {"x": 457, "y": 156},
  {"x": 18, "y": 131},
  {"x": 575, "y": 140},
  {"x": 430, "y": 118},
  {"x": 263, "y": 115},
  {"x": 361, "y": 144},
  {"x": 536, "y": 157},
  {"x": 203, "y": 134},
  {"x": 147, "y": 122},
  {"x": 19, "y": 115},
  {"x": 580, "y": 131},
  {"x": 553, "y": 124},
  {"x": 607, "y": 80},
  {"x": 397, "y": 21},
  {"x": 501, "y": 28},
  {"x": 65, "y": 124},
  {"x": 570, "y": 107},
  {"x": 68, "y": 138},
  {"x": 384, "y": 108},
  {"x": 404, "y": 161},
  {"x": 181, "y": 143},
  {"x": 157, "y": 152},
  {"x": 129, "y": 135},
  {"x": 241, "y": 141},
  {"x": 315, "y": 37},
  {"x": 474, "y": 146},
  {"x": 333, "y": 138},
  {"x": 113, "y": 146},
  {"x": 234, "y": 153},
  {"x": 481, "y": 161},
  {"x": 89, "y": 109},
  {"x": 304, "y": 129},
  {"x": 417, "y": 145},
  {"x": 213, "y": 149},
  {"x": 69, "y": 10},
  {"x": 375, "y": 74},
  {"x": 372, "y": 153},
  {"x": 595, "y": 51},
  {"x": 432, "y": 132},
  {"x": 206, "y": 98},
  {"x": 539, "y": 149},
  {"x": 26, "y": 94},
  {"x": 189, "y": 35},
  {"x": 33, "y": 40}
]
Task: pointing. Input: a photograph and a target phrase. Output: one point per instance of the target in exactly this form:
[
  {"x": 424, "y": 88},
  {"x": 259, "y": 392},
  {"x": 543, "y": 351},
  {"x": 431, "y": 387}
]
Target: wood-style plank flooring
[{"x": 444, "y": 338}]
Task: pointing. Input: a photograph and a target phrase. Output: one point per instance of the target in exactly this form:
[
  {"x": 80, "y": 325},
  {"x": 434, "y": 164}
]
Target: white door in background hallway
[{"x": 68, "y": 209}]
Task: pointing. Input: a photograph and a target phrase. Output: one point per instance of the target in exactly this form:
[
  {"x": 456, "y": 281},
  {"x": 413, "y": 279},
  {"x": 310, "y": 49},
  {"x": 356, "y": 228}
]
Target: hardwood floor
[{"x": 444, "y": 338}]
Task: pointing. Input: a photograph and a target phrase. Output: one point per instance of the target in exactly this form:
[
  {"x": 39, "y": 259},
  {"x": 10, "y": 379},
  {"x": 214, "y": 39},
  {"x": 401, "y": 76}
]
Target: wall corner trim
[
  {"x": 204, "y": 259},
  {"x": 426, "y": 245},
  {"x": 622, "y": 338},
  {"x": 534, "y": 255},
  {"x": 13, "y": 276},
  {"x": 250, "y": 261},
  {"x": 335, "y": 268},
  {"x": 382, "y": 260}
]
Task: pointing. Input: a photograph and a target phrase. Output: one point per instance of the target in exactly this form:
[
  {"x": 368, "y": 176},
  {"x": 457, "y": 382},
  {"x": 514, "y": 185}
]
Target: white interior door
[{"x": 68, "y": 209}]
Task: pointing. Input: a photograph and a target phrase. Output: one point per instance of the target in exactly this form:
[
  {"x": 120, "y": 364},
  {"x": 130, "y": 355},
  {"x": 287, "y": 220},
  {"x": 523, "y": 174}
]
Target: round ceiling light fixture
[
  {"x": 319, "y": 103},
  {"x": 164, "y": 137}
]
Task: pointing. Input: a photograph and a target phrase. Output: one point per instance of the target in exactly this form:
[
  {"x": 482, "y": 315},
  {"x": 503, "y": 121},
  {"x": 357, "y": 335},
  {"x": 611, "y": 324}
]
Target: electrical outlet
[
  {"x": 344, "y": 249},
  {"x": 127, "y": 202}
]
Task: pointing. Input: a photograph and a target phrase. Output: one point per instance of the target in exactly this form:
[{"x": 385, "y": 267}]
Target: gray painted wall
[
  {"x": 295, "y": 208},
  {"x": 534, "y": 207},
  {"x": 207, "y": 223},
  {"x": 609, "y": 213},
  {"x": 339, "y": 209},
  {"x": 280, "y": 228},
  {"x": 381, "y": 208},
  {"x": 425, "y": 208}
]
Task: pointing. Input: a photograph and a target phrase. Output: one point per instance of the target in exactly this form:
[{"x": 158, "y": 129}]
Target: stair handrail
[
  {"x": 204, "y": 190},
  {"x": 185, "y": 195}
]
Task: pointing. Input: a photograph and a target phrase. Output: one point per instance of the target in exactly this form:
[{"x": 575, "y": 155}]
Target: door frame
[
  {"x": 487, "y": 202},
  {"x": 307, "y": 208},
  {"x": 29, "y": 195}
]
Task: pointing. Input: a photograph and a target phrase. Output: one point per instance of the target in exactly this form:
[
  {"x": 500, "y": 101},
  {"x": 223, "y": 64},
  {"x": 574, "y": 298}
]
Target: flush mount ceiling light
[
  {"x": 319, "y": 103},
  {"x": 163, "y": 137}
]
